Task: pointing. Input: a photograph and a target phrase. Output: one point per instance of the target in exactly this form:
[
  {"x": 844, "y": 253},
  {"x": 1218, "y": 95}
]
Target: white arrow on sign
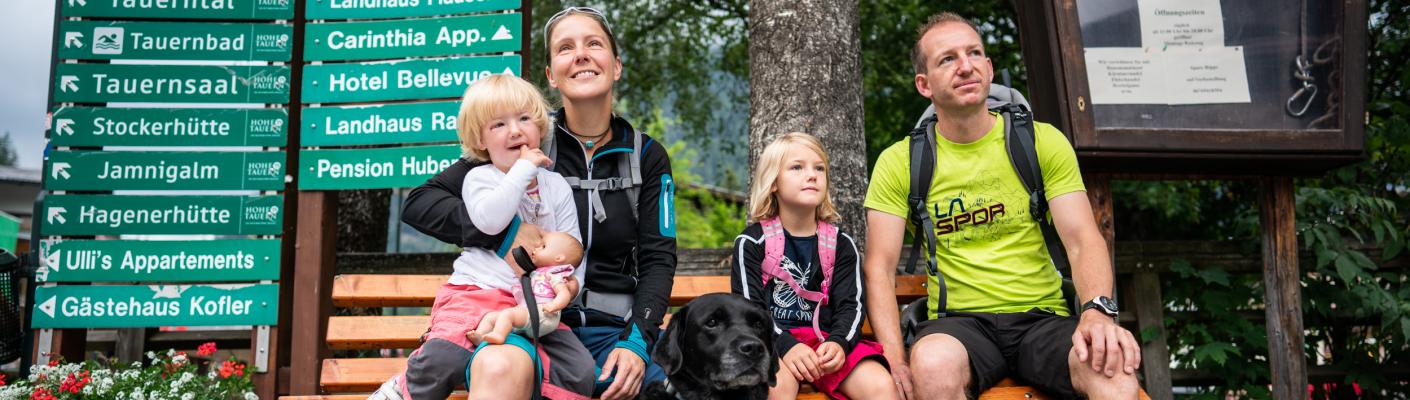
[
  {"x": 502, "y": 34},
  {"x": 508, "y": 71},
  {"x": 57, "y": 213},
  {"x": 52, "y": 260},
  {"x": 48, "y": 306},
  {"x": 60, "y": 169},
  {"x": 81, "y": 3},
  {"x": 62, "y": 126},
  {"x": 70, "y": 83},
  {"x": 73, "y": 39}
]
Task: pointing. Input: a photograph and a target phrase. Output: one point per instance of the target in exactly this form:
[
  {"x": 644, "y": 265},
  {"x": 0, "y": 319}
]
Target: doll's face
[{"x": 558, "y": 248}]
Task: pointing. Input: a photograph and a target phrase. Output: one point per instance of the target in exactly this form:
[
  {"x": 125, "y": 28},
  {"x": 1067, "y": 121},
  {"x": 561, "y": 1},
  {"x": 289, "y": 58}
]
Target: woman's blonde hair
[
  {"x": 763, "y": 204},
  {"x": 491, "y": 96}
]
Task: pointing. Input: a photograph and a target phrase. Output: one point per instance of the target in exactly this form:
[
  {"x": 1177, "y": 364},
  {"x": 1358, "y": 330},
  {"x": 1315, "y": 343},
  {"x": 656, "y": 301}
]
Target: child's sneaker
[{"x": 391, "y": 390}]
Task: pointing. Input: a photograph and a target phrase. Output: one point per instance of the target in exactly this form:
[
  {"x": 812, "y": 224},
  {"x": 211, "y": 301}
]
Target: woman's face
[{"x": 581, "y": 64}]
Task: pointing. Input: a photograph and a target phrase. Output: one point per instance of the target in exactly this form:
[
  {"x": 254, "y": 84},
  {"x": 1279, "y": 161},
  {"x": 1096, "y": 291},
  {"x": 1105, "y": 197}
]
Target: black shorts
[{"x": 1032, "y": 346}]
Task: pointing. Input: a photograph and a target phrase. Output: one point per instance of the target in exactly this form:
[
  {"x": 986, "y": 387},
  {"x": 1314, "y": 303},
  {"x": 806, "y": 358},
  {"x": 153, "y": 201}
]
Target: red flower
[
  {"x": 2, "y": 379},
  {"x": 53, "y": 362},
  {"x": 75, "y": 383},
  {"x": 227, "y": 368},
  {"x": 41, "y": 394},
  {"x": 206, "y": 349}
]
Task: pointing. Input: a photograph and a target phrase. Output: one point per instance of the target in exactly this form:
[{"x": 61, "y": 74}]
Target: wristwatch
[{"x": 1104, "y": 304}]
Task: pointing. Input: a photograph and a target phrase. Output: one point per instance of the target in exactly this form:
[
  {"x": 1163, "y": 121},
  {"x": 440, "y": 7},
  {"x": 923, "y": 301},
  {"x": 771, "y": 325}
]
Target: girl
[{"x": 795, "y": 263}]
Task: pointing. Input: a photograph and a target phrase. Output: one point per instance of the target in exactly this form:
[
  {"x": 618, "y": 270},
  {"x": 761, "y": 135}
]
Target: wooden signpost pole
[{"x": 1281, "y": 286}]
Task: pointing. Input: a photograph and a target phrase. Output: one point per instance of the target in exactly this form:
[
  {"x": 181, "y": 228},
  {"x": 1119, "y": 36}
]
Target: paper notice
[
  {"x": 1168, "y": 24},
  {"x": 1207, "y": 76},
  {"x": 1128, "y": 75},
  {"x": 1124, "y": 75}
]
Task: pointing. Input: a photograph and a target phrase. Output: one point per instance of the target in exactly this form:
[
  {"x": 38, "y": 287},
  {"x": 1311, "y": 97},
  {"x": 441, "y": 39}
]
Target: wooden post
[
  {"x": 129, "y": 344},
  {"x": 1281, "y": 286},
  {"x": 313, "y": 299},
  {"x": 1150, "y": 315}
]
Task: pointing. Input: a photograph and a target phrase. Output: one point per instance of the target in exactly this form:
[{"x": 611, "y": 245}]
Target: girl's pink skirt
[{"x": 831, "y": 384}]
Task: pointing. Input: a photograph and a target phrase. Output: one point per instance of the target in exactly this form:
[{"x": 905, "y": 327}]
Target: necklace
[{"x": 591, "y": 140}]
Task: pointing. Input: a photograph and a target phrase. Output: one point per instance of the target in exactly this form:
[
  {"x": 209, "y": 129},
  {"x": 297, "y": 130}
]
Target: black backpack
[
  {"x": 1023, "y": 154},
  {"x": 629, "y": 167}
]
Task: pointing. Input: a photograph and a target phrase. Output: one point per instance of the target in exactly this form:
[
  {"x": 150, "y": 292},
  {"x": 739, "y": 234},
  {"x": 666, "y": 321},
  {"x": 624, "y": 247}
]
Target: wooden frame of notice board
[{"x": 1252, "y": 136}]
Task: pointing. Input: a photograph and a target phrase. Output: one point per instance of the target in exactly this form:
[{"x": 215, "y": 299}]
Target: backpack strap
[
  {"x": 774, "y": 239},
  {"x": 922, "y": 141},
  {"x": 629, "y": 179},
  {"x": 1023, "y": 153}
]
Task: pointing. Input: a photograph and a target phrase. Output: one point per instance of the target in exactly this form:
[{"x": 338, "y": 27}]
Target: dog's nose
[{"x": 751, "y": 348}]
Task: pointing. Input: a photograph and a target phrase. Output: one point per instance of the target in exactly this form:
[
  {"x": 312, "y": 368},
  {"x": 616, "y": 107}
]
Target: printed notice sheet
[
  {"x": 1169, "y": 24},
  {"x": 1127, "y": 75}
]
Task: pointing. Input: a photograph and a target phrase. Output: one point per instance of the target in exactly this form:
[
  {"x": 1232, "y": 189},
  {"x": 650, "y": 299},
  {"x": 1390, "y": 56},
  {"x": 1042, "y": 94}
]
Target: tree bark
[{"x": 805, "y": 76}]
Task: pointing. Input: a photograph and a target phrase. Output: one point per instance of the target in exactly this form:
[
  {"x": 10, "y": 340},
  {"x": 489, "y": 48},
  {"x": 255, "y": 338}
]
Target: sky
[{"x": 26, "y": 30}]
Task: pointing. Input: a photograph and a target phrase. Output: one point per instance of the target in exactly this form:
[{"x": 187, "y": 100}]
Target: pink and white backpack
[{"x": 773, "y": 258}]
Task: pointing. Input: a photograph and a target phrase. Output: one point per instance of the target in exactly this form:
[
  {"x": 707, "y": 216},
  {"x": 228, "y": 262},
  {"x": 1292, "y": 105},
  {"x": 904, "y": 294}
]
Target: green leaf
[
  {"x": 1362, "y": 260},
  {"x": 1214, "y": 275},
  {"x": 1347, "y": 269},
  {"x": 1218, "y": 352},
  {"x": 1325, "y": 257},
  {"x": 1392, "y": 249}
]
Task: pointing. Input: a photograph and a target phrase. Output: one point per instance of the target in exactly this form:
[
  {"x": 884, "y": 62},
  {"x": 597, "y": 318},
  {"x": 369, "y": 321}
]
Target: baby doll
[{"x": 549, "y": 284}]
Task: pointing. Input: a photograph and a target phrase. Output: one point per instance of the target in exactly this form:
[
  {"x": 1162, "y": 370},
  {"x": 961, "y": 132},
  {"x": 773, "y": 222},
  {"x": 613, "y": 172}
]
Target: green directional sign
[
  {"x": 90, "y": 126},
  {"x": 381, "y": 124},
  {"x": 401, "y": 80},
  {"x": 159, "y": 260},
  {"x": 442, "y": 36},
  {"x": 165, "y": 170},
  {"x": 373, "y": 168},
  {"x": 97, "y": 83},
  {"x": 103, "y": 40},
  {"x": 180, "y": 9},
  {"x": 155, "y": 305},
  {"x": 367, "y": 9},
  {"x": 162, "y": 215}
]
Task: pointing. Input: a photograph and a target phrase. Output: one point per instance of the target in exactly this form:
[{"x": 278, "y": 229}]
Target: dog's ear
[{"x": 668, "y": 353}]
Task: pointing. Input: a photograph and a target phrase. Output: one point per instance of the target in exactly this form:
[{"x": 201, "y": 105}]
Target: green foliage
[
  {"x": 888, "y": 30},
  {"x": 8, "y": 157},
  {"x": 703, "y": 218},
  {"x": 689, "y": 60}
]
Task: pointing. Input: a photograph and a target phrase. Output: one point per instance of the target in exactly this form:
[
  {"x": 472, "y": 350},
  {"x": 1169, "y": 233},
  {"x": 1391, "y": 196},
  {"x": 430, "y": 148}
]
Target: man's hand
[
  {"x": 901, "y": 373},
  {"x": 830, "y": 357},
  {"x": 627, "y": 379},
  {"x": 802, "y": 362},
  {"x": 1102, "y": 343}
]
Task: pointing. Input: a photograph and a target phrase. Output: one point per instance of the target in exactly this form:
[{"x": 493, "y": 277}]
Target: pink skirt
[{"x": 831, "y": 384}]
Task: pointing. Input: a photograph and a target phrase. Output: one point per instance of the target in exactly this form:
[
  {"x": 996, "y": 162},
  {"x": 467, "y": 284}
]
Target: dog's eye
[{"x": 712, "y": 323}]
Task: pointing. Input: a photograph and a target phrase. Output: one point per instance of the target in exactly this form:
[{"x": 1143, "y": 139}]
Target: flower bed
[{"x": 170, "y": 375}]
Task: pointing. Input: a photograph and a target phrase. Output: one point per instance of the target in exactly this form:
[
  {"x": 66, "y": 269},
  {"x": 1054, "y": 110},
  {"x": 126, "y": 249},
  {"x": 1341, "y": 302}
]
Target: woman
[{"x": 625, "y": 211}]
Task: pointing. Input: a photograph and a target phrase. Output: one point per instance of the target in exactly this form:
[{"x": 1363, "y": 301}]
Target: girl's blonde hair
[
  {"x": 763, "y": 204},
  {"x": 491, "y": 96}
]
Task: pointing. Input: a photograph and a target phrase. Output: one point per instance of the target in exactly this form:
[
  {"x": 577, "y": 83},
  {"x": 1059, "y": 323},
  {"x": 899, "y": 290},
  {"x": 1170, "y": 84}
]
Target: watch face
[{"x": 1107, "y": 303}]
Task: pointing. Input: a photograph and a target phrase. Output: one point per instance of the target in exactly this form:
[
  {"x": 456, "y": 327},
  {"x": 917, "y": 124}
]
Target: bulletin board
[{"x": 1276, "y": 83}]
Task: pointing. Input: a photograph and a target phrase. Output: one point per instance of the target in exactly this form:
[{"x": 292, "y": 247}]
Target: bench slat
[
  {"x": 377, "y": 332},
  {"x": 420, "y": 290}
]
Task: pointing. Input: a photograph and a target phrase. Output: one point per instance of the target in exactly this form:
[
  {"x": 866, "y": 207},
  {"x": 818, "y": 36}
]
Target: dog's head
[{"x": 720, "y": 341}]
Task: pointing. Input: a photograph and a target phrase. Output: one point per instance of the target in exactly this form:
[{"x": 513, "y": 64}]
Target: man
[{"x": 1005, "y": 311}]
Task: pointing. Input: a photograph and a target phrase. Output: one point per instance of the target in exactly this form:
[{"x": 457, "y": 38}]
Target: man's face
[{"x": 957, "y": 71}]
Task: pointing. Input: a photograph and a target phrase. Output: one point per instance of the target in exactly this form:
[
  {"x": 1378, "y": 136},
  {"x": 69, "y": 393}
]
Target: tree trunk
[{"x": 805, "y": 76}]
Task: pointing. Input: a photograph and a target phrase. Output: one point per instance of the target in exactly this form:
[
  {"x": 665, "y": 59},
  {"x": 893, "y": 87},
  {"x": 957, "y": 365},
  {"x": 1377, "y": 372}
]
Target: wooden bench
[{"x": 363, "y": 375}]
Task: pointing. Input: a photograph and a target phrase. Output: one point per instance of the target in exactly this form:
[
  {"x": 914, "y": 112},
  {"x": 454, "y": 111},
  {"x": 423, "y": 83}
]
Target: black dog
[{"x": 719, "y": 346}]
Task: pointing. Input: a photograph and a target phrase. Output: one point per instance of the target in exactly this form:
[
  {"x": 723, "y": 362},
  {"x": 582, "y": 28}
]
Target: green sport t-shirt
[{"x": 991, "y": 251}]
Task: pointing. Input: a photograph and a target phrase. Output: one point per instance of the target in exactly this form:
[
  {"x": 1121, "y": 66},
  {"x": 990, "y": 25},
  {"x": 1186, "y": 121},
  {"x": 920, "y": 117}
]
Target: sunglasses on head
[{"x": 567, "y": 11}]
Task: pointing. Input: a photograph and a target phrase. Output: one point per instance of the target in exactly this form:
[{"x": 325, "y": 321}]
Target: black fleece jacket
[
  {"x": 841, "y": 319},
  {"x": 636, "y": 257}
]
